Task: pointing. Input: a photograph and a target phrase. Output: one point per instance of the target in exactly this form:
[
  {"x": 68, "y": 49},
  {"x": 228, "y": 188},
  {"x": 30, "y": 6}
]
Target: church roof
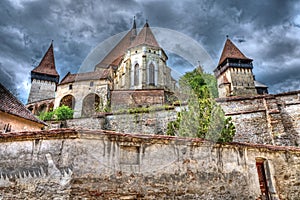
[
  {"x": 11, "y": 105},
  {"x": 97, "y": 75},
  {"x": 119, "y": 49},
  {"x": 145, "y": 37},
  {"x": 231, "y": 51},
  {"x": 259, "y": 84},
  {"x": 47, "y": 64}
]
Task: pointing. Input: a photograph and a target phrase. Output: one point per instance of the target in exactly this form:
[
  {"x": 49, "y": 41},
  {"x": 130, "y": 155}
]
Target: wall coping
[
  {"x": 266, "y": 96},
  {"x": 67, "y": 133}
]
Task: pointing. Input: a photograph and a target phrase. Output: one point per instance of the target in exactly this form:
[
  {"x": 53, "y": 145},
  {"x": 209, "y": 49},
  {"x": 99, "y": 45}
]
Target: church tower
[
  {"x": 144, "y": 65},
  {"x": 234, "y": 73},
  {"x": 44, "y": 78}
]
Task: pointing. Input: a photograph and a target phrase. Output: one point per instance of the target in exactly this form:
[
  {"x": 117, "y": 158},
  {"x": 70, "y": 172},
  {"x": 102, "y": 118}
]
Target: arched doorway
[
  {"x": 68, "y": 100},
  {"x": 42, "y": 108},
  {"x": 91, "y": 103}
]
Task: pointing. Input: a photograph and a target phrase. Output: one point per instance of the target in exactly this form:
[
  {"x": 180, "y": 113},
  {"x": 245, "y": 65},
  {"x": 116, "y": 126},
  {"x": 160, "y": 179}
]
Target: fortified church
[
  {"x": 133, "y": 74},
  {"x": 111, "y": 157}
]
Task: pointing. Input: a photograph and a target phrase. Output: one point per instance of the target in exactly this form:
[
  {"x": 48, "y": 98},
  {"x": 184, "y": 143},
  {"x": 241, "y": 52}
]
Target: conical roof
[
  {"x": 119, "y": 49},
  {"x": 231, "y": 51},
  {"x": 145, "y": 37},
  {"x": 47, "y": 64}
]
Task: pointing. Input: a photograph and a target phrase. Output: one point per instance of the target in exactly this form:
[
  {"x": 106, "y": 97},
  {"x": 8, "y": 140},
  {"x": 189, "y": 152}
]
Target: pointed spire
[
  {"x": 231, "y": 51},
  {"x": 134, "y": 24},
  {"x": 133, "y": 30},
  {"x": 145, "y": 37},
  {"x": 47, "y": 64}
]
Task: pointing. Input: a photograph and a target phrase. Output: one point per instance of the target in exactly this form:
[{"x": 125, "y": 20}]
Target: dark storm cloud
[{"x": 270, "y": 30}]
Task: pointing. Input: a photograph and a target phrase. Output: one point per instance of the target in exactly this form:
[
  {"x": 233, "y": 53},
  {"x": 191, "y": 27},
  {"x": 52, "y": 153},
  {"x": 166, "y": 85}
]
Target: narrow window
[
  {"x": 136, "y": 74},
  {"x": 91, "y": 84},
  {"x": 151, "y": 74},
  {"x": 70, "y": 87}
]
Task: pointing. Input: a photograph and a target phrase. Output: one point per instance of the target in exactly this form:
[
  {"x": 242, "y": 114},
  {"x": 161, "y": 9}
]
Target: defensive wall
[{"x": 90, "y": 164}]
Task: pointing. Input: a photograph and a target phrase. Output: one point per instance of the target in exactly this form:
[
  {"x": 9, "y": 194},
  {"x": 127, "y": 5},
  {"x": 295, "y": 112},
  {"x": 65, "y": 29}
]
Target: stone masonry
[
  {"x": 82, "y": 164},
  {"x": 266, "y": 119}
]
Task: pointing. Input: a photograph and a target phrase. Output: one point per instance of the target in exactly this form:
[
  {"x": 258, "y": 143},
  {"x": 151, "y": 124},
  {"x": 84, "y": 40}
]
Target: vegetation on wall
[
  {"x": 61, "y": 113},
  {"x": 202, "y": 117}
]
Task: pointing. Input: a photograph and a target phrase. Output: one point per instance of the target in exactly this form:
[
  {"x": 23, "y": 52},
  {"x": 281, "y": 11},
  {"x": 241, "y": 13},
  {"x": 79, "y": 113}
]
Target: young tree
[{"x": 202, "y": 117}]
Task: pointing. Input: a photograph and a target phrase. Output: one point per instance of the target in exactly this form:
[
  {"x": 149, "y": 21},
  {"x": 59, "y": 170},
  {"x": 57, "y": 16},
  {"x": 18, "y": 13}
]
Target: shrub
[{"x": 63, "y": 112}]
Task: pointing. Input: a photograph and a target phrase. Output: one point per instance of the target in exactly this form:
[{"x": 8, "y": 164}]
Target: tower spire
[{"x": 133, "y": 30}]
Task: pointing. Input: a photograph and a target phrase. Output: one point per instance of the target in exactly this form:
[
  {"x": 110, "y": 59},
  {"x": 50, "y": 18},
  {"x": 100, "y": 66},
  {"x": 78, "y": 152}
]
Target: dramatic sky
[{"x": 266, "y": 31}]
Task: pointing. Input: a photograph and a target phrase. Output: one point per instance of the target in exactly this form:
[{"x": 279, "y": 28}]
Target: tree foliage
[
  {"x": 203, "y": 117},
  {"x": 61, "y": 113}
]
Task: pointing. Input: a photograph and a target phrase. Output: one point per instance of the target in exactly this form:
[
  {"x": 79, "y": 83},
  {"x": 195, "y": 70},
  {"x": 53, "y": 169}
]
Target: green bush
[
  {"x": 46, "y": 116},
  {"x": 61, "y": 113}
]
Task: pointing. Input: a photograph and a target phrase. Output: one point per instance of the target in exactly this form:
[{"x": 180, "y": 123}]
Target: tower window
[
  {"x": 135, "y": 51},
  {"x": 91, "y": 84},
  {"x": 70, "y": 87},
  {"x": 149, "y": 51}
]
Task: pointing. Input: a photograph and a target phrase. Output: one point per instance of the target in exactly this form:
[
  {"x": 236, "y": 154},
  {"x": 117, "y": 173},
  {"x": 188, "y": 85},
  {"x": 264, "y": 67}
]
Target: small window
[
  {"x": 91, "y": 84},
  {"x": 154, "y": 52},
  {"x": 135, "y": 51},
  {"x": 70, "y": 87},
  {"x": 149, "y": 51}
]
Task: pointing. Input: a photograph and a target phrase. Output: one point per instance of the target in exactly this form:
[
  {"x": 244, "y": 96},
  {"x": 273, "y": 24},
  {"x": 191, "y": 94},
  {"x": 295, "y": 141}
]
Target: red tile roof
[
  {"x": 231, "y": 51},
  {"x": 119, "y": 50},
  {"x": 97, "y": 75},
  {"x": 145, "y": 37},
  {"x": 47, "y": 64},
  {"x": 11, "y": 105}
]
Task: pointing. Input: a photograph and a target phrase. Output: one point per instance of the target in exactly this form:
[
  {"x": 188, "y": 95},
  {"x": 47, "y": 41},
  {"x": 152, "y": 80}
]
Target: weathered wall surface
[
  {"x": 18, "y": 123},
  {"x": 134, "y": 98},
  {"x": 154, "y": 122},
  {"x": 268, "y": 119},
  {"x": 41, "y": 90},
  {"x": 69, "y": 164}
]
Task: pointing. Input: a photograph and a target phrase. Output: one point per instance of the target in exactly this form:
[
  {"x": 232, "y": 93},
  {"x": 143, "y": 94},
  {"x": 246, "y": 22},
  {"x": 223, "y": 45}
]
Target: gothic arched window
[
  {"x": 136, "y": 74},
  {"x": 151, "y": 74}
]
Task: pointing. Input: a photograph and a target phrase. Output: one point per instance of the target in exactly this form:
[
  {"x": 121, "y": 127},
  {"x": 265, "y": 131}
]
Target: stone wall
[
  {"x": 135, "y": 98},
  {"x": 266, "y": 119},
  {"x": 154, "y": 122},
  {"x": 41, "y": 90},
  {"x": 74, "y": 164}
]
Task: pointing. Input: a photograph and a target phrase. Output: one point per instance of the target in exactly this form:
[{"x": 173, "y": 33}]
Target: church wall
[
  {"x": 41, "y": 90},
  {"x": 80, "y": 89},
  {"x": 136, "y": 98},
  {"x": 69, "y": 164}
]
